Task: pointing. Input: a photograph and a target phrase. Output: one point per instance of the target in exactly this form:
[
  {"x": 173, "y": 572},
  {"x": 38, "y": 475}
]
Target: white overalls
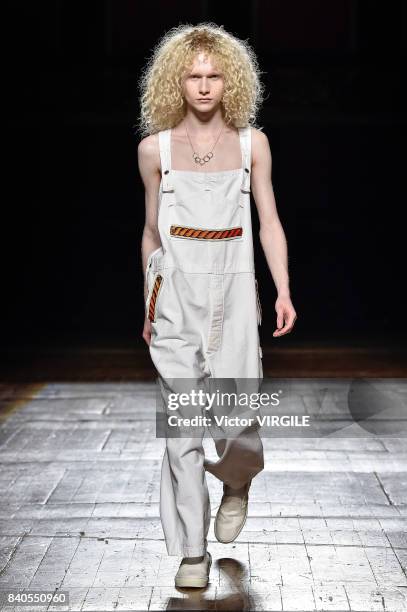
[{"x": 204, "y": 309}]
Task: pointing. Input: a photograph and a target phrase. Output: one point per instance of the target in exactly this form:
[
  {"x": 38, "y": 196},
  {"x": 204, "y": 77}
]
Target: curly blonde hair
[{"x": 162, "y": 104}]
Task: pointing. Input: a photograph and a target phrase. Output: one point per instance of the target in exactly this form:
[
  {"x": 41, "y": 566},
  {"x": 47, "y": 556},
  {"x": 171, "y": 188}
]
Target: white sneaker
[
  {"x": 232, "y": 514},
  {"x": 194, "y": 574}
]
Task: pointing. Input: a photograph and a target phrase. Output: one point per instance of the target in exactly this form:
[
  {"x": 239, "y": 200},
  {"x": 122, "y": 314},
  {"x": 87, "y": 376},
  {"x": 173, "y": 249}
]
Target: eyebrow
[{"x": 196, "y": 73}]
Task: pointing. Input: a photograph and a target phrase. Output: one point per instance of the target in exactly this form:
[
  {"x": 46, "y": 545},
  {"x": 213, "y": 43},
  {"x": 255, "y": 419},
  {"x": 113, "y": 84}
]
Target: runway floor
[{"x": 80, "y": 469}]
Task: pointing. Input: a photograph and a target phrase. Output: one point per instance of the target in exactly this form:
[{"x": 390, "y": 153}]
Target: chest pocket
[{"x": 206, "y": 216}]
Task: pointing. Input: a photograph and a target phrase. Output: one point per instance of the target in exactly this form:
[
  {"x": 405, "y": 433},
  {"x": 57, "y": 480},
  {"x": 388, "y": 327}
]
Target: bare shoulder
[
  {"x": 260, "y": 145},
  {"x": 148, "y": 154},
  {"x": 259, "y": 139},
  {"x": 148, "y": 149}
]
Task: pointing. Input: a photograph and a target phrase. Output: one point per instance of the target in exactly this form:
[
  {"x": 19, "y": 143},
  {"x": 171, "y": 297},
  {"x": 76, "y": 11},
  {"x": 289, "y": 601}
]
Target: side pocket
[
  {"x": 150, "y": 259},
  {"x": 150, "y": 271},
  {"x": 152, "y": 301},
  {"x": 259, "y": 311}
]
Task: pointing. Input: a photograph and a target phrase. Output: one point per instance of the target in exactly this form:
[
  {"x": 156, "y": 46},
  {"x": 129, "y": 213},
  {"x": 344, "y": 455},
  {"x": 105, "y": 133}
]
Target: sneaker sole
[
  {"x": 237, "y": 533},
  {"x": 194, "y": 582}
]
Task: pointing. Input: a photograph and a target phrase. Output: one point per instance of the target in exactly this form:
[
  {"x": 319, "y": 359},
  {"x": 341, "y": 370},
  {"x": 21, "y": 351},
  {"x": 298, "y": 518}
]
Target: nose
[{"x": 204, "y": 85}]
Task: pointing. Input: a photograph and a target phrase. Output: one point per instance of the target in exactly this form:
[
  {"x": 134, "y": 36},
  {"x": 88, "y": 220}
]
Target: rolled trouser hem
[{"x": 187, "y": 551}]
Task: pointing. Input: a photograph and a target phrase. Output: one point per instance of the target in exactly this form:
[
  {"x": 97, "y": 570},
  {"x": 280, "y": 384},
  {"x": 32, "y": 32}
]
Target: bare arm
[
  {"x": 149, "y": 167},
  {"x": 272, "y": 237}
]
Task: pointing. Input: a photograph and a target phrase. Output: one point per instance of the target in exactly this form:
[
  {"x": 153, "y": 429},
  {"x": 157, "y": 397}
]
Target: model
[{"x": 200, "y": 157}]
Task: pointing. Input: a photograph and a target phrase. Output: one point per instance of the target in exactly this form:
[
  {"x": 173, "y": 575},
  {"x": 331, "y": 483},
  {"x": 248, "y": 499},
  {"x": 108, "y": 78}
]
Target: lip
[{"x": 204, "y": 99}]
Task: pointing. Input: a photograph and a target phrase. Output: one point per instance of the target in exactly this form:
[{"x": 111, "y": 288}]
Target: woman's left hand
[{"x": 286, "y": 315}]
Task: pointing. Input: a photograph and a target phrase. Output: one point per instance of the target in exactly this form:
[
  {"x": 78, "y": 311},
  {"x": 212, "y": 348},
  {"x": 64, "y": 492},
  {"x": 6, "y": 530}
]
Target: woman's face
[{"x": 203, "y": 85}]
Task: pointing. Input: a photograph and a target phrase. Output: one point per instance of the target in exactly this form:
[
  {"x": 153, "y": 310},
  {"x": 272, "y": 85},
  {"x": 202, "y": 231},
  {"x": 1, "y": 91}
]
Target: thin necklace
[{"x": 203, "y": 160}]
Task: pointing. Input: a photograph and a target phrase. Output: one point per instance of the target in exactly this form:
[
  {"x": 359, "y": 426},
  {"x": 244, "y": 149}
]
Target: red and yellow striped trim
[
  {"x": 153, "y": 299},
  {"x": 205, "y": 234}
]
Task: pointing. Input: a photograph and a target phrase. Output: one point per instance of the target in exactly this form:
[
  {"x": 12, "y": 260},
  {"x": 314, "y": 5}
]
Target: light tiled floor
[{"x": 79, "y": 484}]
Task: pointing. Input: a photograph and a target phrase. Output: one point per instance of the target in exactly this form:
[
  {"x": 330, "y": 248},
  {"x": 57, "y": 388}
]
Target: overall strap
[
  {"x": 164, "y": 140},
  {"x": 246, "y": 145}
]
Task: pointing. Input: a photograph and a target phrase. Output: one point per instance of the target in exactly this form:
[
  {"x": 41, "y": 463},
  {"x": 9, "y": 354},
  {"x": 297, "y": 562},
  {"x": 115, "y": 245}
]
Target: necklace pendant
[
  {"x": 208, "y": 156},
  {"x": 202, "y": 160}
]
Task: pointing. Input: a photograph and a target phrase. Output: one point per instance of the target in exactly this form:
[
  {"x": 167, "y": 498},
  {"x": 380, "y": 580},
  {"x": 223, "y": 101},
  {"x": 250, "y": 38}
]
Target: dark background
[{"x": 73, "y": 201}]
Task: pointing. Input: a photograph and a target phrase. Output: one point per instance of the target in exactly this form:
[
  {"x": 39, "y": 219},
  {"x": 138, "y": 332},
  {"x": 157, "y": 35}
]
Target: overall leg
[
  {"x": 234, "y": 360},
  {"x": 177, "y": 354},
  {"x": 184, "y": 498}
]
